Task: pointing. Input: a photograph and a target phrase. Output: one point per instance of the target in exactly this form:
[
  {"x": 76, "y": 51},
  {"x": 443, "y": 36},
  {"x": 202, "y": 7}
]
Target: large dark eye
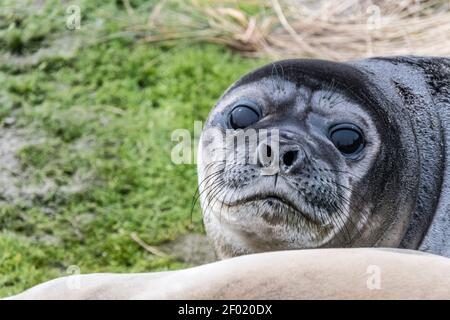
[
  {"x": 243, "y": 115},
  {"x": 347, "y": 138}
]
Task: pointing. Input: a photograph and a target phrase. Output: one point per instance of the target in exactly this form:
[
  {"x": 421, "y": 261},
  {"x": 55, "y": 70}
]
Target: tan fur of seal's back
[{"x": 302, "y": 274}]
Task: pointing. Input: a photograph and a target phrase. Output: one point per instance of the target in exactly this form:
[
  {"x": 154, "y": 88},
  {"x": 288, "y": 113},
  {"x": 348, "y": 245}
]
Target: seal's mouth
[{"x": 278, "y": 202}]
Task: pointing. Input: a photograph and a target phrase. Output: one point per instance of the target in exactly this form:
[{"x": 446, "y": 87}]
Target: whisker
[
  {"x": 198, "y": 194},
  {"x": 365, "y": 213}
]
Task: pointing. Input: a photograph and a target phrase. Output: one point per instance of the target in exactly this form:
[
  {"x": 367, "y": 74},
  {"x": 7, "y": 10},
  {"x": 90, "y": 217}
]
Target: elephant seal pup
[
  {"x": 295, "y": 274},
  {"x": 311, "y": 153}
]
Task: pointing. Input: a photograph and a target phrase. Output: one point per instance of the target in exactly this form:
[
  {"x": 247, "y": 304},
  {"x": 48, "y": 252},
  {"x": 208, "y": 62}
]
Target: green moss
[{"x": 101, "y": 123}]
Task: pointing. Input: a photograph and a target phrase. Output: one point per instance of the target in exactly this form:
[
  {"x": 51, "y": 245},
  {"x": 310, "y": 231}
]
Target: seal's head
[{"x": 304, "y": 154}]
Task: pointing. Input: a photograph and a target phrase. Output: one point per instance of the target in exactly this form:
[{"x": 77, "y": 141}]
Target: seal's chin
[
  {"x": 275, "y": 208},
  {"x": 258, "y": 222}
]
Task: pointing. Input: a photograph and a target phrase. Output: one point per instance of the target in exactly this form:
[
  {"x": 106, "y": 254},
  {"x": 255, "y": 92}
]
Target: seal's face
[{"x": 323, "y": 144}]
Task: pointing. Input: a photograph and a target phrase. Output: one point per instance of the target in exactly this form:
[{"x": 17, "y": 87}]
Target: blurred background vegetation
[{"x": 86, "y": 115}]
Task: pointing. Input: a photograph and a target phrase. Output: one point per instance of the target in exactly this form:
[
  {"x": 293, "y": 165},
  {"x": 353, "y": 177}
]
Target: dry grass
[{"x": 337, "y": 30}]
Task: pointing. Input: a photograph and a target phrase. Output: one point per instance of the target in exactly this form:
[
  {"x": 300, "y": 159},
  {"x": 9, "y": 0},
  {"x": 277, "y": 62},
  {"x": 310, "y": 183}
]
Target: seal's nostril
[
  {"x": 268, "y": 151},
  {"x": 289, "y": 157}
]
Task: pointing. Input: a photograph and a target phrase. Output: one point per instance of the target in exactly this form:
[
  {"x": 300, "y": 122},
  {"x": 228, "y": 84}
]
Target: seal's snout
[{"x": 288, "y": 157}]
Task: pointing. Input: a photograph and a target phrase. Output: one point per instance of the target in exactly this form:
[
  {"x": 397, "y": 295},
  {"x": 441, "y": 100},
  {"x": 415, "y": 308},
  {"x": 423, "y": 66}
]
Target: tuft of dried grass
[{"x": 337, "y": 30}]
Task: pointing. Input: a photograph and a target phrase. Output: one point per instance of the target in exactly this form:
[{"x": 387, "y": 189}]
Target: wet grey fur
[
  {"x": 423, "y": 85},
  {"x": 407, "y": 186}
]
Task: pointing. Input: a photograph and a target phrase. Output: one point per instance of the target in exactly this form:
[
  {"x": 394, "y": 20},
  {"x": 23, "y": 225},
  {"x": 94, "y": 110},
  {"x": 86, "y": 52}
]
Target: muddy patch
[
  {"x": 11, "y": 141},
  {"x": 17, "y": 184},
  {"x": 15, "y": 187},
  {"x": 194, "y": 249}
]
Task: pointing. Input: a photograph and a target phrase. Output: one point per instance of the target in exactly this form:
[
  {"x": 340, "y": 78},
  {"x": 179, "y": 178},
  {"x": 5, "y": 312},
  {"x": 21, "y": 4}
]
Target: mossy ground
[{"x": 98, "y": 118}]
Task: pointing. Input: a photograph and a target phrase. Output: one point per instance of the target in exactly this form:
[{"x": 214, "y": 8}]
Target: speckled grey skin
[{"x": 395, "y": 193}]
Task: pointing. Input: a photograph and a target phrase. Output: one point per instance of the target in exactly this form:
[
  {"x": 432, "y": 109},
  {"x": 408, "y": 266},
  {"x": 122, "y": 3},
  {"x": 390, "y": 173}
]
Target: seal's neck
[
  {"x": 437, "y": 238},
  {"x": 420, "y": 88}
]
